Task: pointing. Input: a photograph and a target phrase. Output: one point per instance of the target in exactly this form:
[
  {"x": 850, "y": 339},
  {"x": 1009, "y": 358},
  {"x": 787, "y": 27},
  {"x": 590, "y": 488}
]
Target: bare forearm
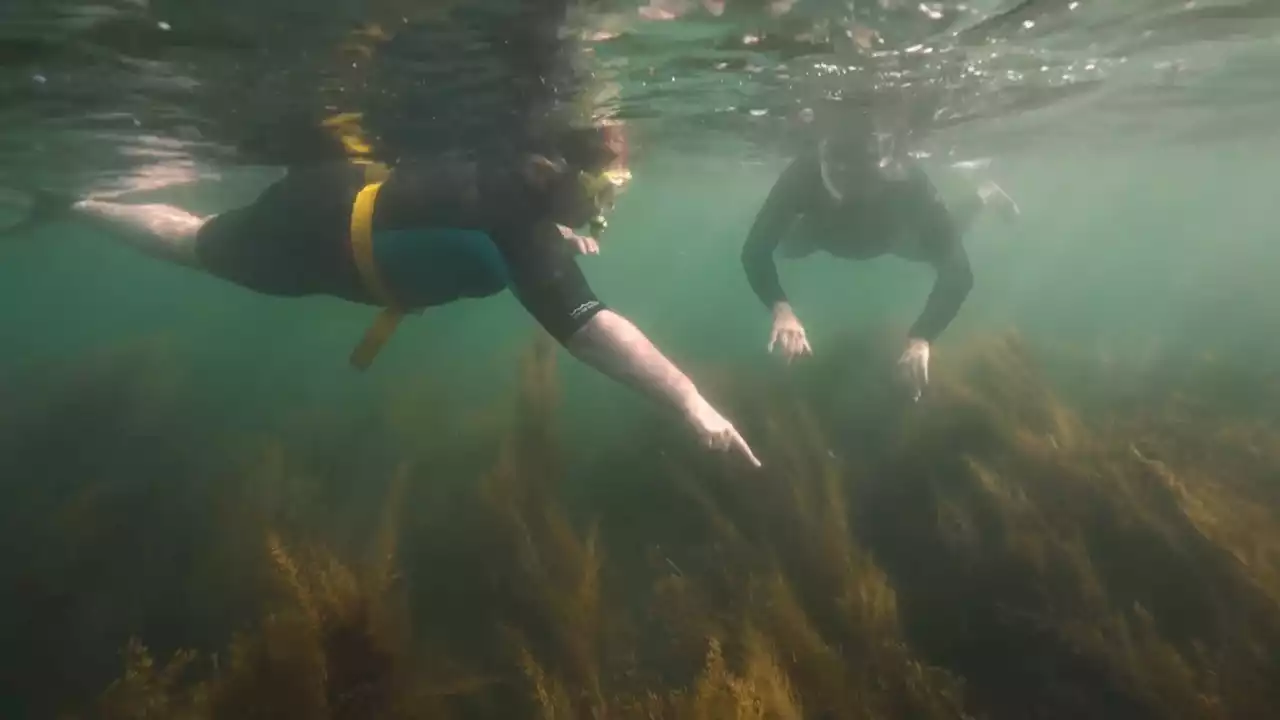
[{"x": 615, "y": 347}]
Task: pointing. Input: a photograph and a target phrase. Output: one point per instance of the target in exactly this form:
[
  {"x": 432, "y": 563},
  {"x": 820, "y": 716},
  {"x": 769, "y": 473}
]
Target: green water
[
  {"x": 1169, "y": 250},
  {"x": 1137, "y": 250}
]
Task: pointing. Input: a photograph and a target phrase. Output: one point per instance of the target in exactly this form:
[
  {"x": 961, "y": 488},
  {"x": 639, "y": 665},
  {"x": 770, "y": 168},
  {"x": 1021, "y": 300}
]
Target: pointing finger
[{"x": 745, "y": 449}]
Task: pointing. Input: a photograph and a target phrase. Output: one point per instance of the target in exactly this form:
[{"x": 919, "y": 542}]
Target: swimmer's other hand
[
  {"x": 580, "y": 244},
  {"x": 715, "y": 431},
  {"x": 994, "y": 196},
  {"x": 914, "y": 366},
  {"x": 789, "y": 333}
]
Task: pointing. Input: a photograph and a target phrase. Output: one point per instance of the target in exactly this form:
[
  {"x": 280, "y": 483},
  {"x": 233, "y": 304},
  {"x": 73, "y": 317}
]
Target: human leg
[{"x": 161, "y": 231}]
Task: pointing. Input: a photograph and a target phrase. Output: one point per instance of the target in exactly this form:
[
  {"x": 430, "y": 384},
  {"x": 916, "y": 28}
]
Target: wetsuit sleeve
[
  {"x": 952, "y": 286},
  {"x": 784, "y": 203},
  {"x": 547, "y": 281}
]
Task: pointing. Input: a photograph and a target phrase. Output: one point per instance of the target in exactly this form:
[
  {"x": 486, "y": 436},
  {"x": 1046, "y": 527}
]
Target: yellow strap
[
  {"x": 347, "y": 129},
  {"x": 379, "y": 332},
  {"x": 362, "y": 244},
  {"x": 384, "y": 326}
]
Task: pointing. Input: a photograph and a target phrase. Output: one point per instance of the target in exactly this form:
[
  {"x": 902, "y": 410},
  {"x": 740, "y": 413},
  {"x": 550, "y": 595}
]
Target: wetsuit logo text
[{"x": 584, "y": 307}]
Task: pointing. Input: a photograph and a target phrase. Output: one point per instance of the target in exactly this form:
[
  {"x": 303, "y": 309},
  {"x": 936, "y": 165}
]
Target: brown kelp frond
[
  {"x": 1130, "y": 646},
  {"x": 1002, "y": 517},
  {"x": 147, "y": 692},
  {"x": 551, "y": 699},
  {"x": 817, "y": 666},
  {"x": 1222, "y": 500},
  {"x": 292, "y": 579},
  {"x": 381, "y": 570},
  {"x": 788, "y": 545},
  {"x": 330, "y": 648},
  {"x": 521, "y": 488},
  {"x": 759, "y": 691},
  {"x": 350, "y": 638},
  {"x": 1000, "y": 549},
  {"x": 550, "y": 573},
  {"x": 832, "y": 606},
  {"x": 1063, "y": 527}
]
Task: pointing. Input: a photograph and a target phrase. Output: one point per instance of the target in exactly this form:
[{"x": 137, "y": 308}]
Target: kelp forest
[{"x": 1033, "y": 539}]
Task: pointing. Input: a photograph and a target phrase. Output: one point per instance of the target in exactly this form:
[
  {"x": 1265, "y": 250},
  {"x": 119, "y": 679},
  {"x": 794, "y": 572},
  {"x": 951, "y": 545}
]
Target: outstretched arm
[
  {"x": 552, "y": 288},
  {"x": 775, "y": 217},
  {"x": 950, "y": 289},
  {"x": 615, "y": 347}
]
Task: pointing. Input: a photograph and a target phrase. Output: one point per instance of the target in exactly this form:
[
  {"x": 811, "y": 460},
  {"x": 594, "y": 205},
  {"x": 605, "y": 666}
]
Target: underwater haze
[{"x": 206, "y": 512}]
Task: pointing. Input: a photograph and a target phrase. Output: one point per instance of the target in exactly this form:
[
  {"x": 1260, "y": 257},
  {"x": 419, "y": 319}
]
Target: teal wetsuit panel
[{"x": 439, "y": 265}]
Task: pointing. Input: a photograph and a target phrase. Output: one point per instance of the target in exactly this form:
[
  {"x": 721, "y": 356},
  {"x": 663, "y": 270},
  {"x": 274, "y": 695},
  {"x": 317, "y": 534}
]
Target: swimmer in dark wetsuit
[
  {"x": 426, "y": 234},
  {"x": 849, "y": 197}
]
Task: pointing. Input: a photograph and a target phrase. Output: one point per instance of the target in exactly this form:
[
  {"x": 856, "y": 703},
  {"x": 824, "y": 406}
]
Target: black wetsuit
[
  {"x": 881, "y": 216},
  {"x": 442, "y": 231}
]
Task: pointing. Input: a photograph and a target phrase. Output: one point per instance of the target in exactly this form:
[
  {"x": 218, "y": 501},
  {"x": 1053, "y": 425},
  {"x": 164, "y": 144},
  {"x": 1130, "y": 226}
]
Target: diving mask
[
  {"x": 603, "y": 189},
  {"x": 847, "y": 165}
]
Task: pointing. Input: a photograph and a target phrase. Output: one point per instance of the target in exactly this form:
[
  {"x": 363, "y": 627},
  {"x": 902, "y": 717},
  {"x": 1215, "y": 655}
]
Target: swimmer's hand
[
  {"x": 994, "y": 197},
  {"x": 715, "y": 431},
  {"x": 580, "y": 244},
  {"x": 615, "y": 347},
  {"x": 914, "y": 366},
  {"x": 788, "y": 332}
]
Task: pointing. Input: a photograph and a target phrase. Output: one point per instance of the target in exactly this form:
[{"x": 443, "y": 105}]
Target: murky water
[
  {"x": 120, "y": 84},
  {"x": 1136, "y": 136}
]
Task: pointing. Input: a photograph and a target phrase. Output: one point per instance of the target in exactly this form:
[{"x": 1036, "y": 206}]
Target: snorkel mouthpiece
[
  {"x": 603, "y": 188},
  {"x": 598, "y": 225}
]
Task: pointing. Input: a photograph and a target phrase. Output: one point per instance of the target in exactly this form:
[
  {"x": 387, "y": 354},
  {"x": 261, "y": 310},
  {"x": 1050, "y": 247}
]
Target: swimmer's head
[
  {"x": 591, "y": 172},
  {"x": 856, "y": 150},
  {"x": 847, "y": 164}
]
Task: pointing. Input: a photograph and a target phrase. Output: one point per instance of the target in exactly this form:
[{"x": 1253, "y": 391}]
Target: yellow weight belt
[{"x": 385, "y": 324}]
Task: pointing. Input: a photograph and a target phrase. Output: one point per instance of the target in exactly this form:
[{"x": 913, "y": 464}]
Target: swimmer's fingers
[
  {"x": 792, "y": 345},
  {"x": 919, "y": 377},
  {"x": 799, "y": 345},
  {"x": 741, "y": 446},
  {"x": 586, "y": 245},
  {"x": 908, "y": 372},
  {"x": 781, "y": 337},
  {"x": 582, "y": 244}
]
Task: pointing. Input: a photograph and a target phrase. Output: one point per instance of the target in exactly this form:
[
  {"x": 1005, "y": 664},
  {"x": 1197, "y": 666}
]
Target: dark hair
[{"x": 586, "y": 148}]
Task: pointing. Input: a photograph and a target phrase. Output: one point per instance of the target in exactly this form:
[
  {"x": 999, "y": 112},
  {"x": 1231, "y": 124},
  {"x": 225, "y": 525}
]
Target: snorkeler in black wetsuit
[
  {"x": 437, "y": 232},
  {"x": 425, "y": 234},
  {"x": 848, "y": 197}
]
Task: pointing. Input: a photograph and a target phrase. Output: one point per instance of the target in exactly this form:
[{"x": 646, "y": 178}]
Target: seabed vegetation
[{"x": 1008, "y": 548}]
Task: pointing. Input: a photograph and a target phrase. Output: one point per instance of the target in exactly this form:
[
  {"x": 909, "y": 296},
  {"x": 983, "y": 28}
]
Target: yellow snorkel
[{"x": 603, "y": 189}]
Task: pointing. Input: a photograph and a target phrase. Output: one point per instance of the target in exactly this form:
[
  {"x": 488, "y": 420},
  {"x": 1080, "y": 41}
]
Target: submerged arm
[
  {"x": 772, "y": 222},
  {"x": 615, "y": 347},
  {"x": 952, "y": 286},
  {"x": 553, "y": 289}
]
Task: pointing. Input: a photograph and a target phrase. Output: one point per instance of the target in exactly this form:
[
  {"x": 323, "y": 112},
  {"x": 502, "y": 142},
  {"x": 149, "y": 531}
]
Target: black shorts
[{"x": 293, "y": 240}]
